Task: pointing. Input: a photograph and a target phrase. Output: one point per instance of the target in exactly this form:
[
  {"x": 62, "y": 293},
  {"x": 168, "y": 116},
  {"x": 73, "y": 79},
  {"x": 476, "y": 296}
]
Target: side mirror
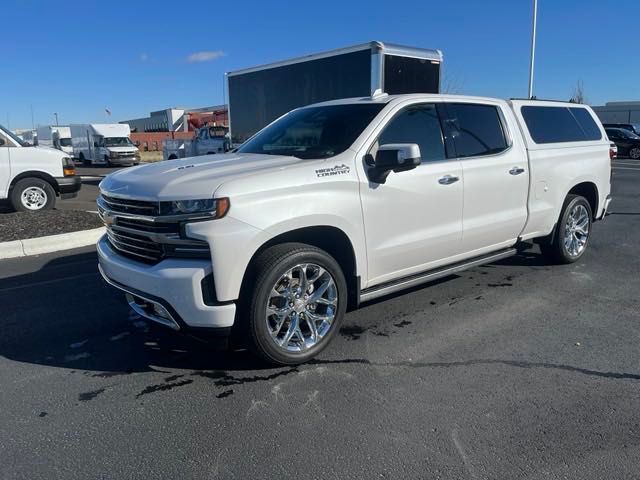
[
  {"x": 95, "y": 144},
  {"x": 2, "y": 142},
  {"x": 396, "y": 157}
]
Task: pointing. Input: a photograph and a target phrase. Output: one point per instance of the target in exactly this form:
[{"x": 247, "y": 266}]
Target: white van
[
  {"x": 104, "y": 143},
  {"x": 32, "y": 177},
  {"x": 56, "y": 136}
]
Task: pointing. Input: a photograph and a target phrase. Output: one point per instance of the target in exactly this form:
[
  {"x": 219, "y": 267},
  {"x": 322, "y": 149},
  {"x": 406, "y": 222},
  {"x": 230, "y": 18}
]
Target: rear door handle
[
  {"x": 448, "y": 180},
  {"x": 516, "y": 171}
]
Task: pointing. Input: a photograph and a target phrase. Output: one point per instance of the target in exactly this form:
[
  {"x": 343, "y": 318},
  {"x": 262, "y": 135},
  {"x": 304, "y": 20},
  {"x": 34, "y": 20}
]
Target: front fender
[{"x": 233, "y": 244}]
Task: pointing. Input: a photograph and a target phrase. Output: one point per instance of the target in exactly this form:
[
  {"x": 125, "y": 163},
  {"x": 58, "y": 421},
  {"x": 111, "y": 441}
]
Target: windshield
[
  {"x": 65, "y": 142},
  {"x": 10, "y": 134},
  {"x": 117, "y": 142},
  {"x": 314, "y": 132}
]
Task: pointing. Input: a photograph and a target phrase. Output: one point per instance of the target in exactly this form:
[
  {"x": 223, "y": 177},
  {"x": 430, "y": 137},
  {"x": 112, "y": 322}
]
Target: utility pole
[
  {"x": 56, "y": 118},
  {"x": 533, "y": 46}
]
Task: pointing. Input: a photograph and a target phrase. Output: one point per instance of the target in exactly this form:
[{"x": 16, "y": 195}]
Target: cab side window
[{"x": 418, "y": 124}]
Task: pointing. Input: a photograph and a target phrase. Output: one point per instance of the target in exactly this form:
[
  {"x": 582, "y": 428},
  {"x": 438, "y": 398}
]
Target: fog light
[{"x": 160, "y": 311}]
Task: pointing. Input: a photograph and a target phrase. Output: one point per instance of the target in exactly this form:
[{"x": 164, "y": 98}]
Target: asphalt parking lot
[{"x": 512, "y": 370}]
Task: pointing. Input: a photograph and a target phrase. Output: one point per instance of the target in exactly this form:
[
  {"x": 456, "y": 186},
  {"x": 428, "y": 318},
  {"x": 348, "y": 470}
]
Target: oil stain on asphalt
[{"x": 86, "y": 396}]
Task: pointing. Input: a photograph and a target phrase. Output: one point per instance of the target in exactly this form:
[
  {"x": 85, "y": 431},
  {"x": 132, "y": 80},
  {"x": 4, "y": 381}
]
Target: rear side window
[
  {"x": 560, "y": 124},
  {"x": 476, "y": 129},
  {"x": 585, "y": 120}
]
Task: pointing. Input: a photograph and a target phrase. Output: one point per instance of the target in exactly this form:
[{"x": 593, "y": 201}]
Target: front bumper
[
  {"x": 69, "y": 186},
  {"x": 174, "y": 284}
]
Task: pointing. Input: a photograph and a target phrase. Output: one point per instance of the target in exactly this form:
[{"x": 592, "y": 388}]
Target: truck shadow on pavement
[{"x": 64, "y": 315}]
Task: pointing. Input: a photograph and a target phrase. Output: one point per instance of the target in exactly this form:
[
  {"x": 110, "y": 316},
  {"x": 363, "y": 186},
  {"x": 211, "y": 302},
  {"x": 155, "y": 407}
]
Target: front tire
[
  {"x": 571, "y": 237},
  {"x": 295, "y": 303},
  {"x": 32, "y": 195}
]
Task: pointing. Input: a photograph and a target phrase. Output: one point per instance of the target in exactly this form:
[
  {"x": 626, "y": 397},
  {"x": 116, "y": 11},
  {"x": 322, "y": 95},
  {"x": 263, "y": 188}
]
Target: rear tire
[
  {"x": 571, "y": 235},
  {"x": 634, "y": 153},
  {"x": 295, "y": 303},
  {"x": 85, "y": 162},
  {"x": 32, "y": 195}
]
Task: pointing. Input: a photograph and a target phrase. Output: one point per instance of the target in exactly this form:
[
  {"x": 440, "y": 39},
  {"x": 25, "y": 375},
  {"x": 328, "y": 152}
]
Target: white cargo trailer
[
  {"x": 104, "y": 143},
  {"x": 55, "y": 136}
]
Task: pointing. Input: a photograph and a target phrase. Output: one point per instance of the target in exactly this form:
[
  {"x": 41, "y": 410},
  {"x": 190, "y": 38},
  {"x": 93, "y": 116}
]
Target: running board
[{"x": 420, "y": 278}]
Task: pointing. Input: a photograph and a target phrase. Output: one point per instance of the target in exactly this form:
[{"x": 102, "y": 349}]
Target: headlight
[
  {"x": 113, "y": 154},
  {"x": 68, "y": 167},
  {"x": 211, "y": 207}
]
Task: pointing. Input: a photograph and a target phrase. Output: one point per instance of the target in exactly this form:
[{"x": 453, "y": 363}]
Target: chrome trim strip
[
  {"x": 374, "y": 46},
  {"x": 408, "y": 282},
  {"x": 136, "y": 308},
  {"x": 156, "y": 218}
]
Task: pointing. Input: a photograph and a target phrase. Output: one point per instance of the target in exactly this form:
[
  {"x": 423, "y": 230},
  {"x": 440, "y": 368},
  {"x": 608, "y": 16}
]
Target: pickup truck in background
[
  {"x": 345, "y": 201},
  {"x": 32, "y": 177},
  {"x": 207, "y": 140}
]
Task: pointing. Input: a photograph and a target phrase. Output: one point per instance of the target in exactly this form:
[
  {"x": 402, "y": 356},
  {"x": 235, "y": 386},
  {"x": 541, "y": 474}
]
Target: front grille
[
  {"x": 136, "y": 246},
  {"x": 146, "y": 239},
  {"x": 137, "y": 207}
]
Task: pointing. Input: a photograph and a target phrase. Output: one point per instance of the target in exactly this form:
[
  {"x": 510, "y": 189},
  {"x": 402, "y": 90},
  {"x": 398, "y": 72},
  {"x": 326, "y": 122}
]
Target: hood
[
  {"x": 189, "y": 178},
  {"x": 50, "y": 150},
  {"x": 128, "y": 148}
]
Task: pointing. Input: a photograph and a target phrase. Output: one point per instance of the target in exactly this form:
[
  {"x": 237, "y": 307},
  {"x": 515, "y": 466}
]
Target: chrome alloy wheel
[
  {"x": 301, "y": 307},
  {"x": 34, "y": 198},
  {"x": 576, "y": 230}
]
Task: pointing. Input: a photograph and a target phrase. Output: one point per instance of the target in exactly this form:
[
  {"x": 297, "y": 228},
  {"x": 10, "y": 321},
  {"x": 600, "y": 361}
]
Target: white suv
[
  {"x": 345, "y": 201},
  {"x": 32, "y": 177}
]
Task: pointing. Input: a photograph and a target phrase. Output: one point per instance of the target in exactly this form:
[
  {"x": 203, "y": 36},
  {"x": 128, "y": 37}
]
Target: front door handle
[
  {"x": 448, "y": 180},
  {"x": 516, "y": 171}
]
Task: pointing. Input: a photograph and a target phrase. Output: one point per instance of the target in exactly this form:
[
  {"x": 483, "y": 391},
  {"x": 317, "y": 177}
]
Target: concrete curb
[{"x": 50, "y": 244}]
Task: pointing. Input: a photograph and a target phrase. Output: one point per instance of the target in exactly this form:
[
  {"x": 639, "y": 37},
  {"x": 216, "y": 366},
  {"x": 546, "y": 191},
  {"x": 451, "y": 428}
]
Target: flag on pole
[{"x": 108, "y": 111}]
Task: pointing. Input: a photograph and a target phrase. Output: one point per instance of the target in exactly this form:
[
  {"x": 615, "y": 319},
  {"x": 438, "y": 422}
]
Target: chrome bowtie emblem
[{"x": 107, "y": 219}]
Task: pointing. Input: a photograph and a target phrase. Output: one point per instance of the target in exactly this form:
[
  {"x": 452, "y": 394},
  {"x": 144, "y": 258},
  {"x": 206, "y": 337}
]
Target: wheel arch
[
  {"x": 331, "y": 239},
  {"x": 588, "y": 190},
  {"x": 36, "y": 174}
]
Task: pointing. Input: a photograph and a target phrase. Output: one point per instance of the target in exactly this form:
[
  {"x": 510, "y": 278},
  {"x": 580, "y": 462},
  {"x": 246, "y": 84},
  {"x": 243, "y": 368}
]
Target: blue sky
[{"x": 77, "y": 58}]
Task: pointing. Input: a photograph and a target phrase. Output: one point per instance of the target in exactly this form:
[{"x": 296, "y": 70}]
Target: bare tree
[
  {"x": 578, "y": 95},
  {"x": 452, "y": 84}
]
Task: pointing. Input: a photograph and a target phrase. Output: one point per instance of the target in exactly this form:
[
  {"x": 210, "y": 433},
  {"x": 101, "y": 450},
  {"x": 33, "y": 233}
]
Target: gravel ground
[{"x": 23, "y": 225}]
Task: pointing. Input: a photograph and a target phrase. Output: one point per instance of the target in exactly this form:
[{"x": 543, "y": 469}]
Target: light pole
[
  {"x": 56, "y": 115},
  {"x": 533, "y": 46}
]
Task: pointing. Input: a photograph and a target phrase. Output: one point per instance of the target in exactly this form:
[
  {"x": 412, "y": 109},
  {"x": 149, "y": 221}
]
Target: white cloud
[{"x": 206, "y": 56}]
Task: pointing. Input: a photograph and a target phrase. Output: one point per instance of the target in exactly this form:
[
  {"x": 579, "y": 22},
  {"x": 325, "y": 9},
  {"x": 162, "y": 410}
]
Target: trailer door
[{"x": 410, "y": 75}]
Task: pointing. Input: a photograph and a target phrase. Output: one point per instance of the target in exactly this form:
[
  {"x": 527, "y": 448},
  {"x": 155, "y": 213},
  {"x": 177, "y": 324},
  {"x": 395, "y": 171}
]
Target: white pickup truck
[{"x": 345, "y": 201}]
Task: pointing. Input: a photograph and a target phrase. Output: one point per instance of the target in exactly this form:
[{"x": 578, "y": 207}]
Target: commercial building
[
  {"x": 619, "y": 112},
  {"x": 177, "y": 119},
  {"x": 149, "y": 133}
]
